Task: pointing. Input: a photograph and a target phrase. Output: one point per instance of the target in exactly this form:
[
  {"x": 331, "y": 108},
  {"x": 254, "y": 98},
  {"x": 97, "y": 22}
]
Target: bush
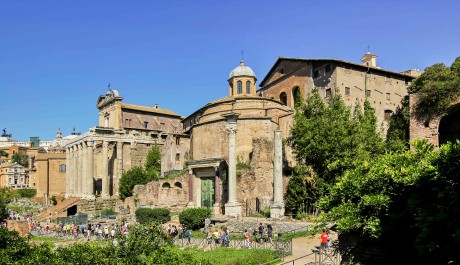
[
  {"x": 134, "y": 176},
  {"x": 26, "y": 193},
  {"x": 155, "y": 215},
  {"x": 194, "y": 218}
]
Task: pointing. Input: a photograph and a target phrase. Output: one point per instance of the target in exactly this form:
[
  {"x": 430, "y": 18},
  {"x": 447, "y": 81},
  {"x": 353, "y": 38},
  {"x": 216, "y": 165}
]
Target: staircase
[{"x": 59, "y": 210}]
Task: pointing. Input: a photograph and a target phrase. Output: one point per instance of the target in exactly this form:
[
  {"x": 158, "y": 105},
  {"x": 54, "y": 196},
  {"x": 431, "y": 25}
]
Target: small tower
[
  {"x": 242, "y": 81},
  {"x": 369, "y": 59},
  {"x": 59, "y": 134}
]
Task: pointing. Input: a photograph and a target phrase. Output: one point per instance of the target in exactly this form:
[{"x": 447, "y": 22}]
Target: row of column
[{"x": 81, "y": 169}]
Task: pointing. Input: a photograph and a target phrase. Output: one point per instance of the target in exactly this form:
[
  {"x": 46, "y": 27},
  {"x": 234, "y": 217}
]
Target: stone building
[
  {"x": 13, "y": 176},
  {"x": 355, "y": 82},
  {"x": 439, "y": 130},
  {"x": 232, "y": 146},
  {"x": 125, "y": 134}
]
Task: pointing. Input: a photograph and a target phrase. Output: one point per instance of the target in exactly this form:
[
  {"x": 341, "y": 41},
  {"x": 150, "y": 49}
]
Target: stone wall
[
  {"x": 92, "y": 206},
  {"x": 22, "y": 227},
  {"x": 171, "y": 194}
]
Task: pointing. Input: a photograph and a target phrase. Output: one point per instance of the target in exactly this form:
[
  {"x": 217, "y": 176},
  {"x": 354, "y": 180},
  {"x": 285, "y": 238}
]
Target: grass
[
  {"x": 46, "y": 239},
  {"x": 227, "y": 256}
]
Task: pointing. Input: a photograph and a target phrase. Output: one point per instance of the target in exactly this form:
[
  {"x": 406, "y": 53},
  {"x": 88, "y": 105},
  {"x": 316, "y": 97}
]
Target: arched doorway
[{"x": 449, "y": 126}]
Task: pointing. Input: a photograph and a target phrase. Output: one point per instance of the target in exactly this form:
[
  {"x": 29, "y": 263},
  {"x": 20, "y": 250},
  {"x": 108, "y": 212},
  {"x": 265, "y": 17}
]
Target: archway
[{"x": 449, "y": 126}]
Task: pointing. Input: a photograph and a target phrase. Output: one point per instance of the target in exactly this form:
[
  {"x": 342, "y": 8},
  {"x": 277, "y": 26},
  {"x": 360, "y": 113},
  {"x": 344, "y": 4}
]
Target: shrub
[
  {"x": 26, "y": 193},
  {"x": 134, "y": 176},
  {"x": 194, "y": 218},
  {"x": 155, "y": 215}
]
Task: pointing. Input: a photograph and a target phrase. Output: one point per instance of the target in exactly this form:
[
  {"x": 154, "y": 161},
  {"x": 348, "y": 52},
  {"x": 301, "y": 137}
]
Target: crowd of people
[{"x": 97, "y": 231}]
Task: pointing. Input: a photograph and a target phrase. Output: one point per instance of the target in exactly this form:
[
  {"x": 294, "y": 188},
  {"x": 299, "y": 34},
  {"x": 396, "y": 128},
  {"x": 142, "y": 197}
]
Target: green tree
[
  {"x": 329, "y": 137},
  {"x": 6, "y": 194},
  {"x": 134, "y": 176},
  {"x": 3, "y": 153},
  {"x": 437, "y": 88},
  {"x": 153, "y": 163},
  {"x": 399, "y": 208},
  {"x": 22, "y": 159},
  {"x": 397, "y": 139},
  {"x": 301, "y": 191}
]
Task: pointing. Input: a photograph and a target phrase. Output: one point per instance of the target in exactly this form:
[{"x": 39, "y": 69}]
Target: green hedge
[
  {"x": 155, "y": 215},
  {"x": 26, "y": 193},
  {"x": 194, "y": 218}
]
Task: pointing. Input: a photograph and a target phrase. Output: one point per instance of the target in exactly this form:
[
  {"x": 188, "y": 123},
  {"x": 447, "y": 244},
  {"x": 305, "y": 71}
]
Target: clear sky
[{"x": 57, "y": 57}]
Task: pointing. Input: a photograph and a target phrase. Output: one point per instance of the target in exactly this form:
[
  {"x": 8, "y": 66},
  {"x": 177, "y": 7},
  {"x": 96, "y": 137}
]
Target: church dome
[{"x": 242, "y": 70}]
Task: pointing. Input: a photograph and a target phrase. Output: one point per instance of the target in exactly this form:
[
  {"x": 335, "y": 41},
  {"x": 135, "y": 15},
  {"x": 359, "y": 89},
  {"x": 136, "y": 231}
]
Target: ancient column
[
  {"x": 216, "y": 206},
  {"x": 68, "y": 172},
  {"x": 233, "y": 207},
  {"x": 105, "y": 170},
  {"x": 119, "y": 167},
  {"x": 75, "y": 170},
  {"x": 81, "y": 173},
  {"x": 89, "y": 180},
  {"x": 191, "y": 192},
  {"x": 277, "y": 207}
]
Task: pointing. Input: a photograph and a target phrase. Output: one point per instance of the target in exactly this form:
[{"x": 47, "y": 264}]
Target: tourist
[
  {"x": 247, "y": 239},
  {"x": 324, "y": 239},
  {"x": 269, "y": 232},
  {"x": 261, "y": 232}
]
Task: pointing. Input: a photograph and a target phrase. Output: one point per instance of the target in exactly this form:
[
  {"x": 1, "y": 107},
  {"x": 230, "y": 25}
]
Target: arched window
[
  {"x": 283, "y": 98},
  {"x": 248, "y": 87},
  {"x": 296, "y": 95},
  {"x": 178, "y": 185},
  {"x": 239, "y": 87},
  {"x": 166, "y": 185}
]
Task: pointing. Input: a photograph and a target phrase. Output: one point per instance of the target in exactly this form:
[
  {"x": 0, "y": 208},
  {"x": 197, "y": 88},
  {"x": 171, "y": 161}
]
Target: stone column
[
  {"x": 75, "y": 171},
  {"x": 68, "y": 172},
  {"x": 233, "y": 207},
  {"x": 119, "y": 167},
  {"x": 216, "y": 206},
  {"x": 105, "y": 170},
  {"x": 191, "y": 191},
  {"x": 89, "y": 180},
  {"x": 81, "y": 173},
  {"x": 277, "y": 207}
]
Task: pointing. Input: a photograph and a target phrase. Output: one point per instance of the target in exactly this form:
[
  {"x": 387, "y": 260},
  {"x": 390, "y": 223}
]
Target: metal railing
[{"x": 282, "y": 247}]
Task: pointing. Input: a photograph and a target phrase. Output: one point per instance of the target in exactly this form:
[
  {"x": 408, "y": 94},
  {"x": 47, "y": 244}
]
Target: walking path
[{"x": 303, "y": 246}]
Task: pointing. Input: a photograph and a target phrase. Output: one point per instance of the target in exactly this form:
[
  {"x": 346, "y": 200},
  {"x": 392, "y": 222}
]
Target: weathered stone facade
[{"x": 438, "y": 130}]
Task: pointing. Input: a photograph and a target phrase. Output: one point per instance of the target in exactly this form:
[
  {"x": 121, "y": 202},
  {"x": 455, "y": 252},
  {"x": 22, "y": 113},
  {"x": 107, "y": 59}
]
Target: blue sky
[{"x": 57, "y": 57}]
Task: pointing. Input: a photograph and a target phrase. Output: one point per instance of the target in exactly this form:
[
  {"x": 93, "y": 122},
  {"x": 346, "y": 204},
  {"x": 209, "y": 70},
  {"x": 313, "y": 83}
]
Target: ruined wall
[{"x": 171, "y": 194}]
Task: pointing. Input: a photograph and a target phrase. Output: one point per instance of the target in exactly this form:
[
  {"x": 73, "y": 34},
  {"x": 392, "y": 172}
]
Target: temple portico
[{"x": 95, "y": 162}]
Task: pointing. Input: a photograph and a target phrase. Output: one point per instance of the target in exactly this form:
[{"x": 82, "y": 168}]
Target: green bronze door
[{"x": 207, "y": 192}]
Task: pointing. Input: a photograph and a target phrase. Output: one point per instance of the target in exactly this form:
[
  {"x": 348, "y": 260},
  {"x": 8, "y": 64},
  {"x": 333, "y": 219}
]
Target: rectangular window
[
  {"x": 146, "y": 124},
  {"x": 347, "y": 91},
  {"x": 177, "y": 140},
  {"x": 328, "y": 92},
  {"x": 388, "y": 96},
  {"x": 368, "y": 93},
  {"x": 315, "y": 73},
  {"x": 62, "y": 168}
]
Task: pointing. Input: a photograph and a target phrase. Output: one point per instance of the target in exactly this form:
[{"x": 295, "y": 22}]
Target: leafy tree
[
  {"x": 132, "y": 177},
  {"x": 139, "y": 175},
  {"x": 3, "y": 153},
  {"x": 398, "y": 130},
  {"x": 22, "y": 159},
  {"x": 153, "y": 163},
  {"x": 6, "y": 194},
  {"x": 301, "y": 190},
  {"x": 437, "y": 88},
  {"x": 399, "y": 208},
  {"x": 329, "y": 137}
]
